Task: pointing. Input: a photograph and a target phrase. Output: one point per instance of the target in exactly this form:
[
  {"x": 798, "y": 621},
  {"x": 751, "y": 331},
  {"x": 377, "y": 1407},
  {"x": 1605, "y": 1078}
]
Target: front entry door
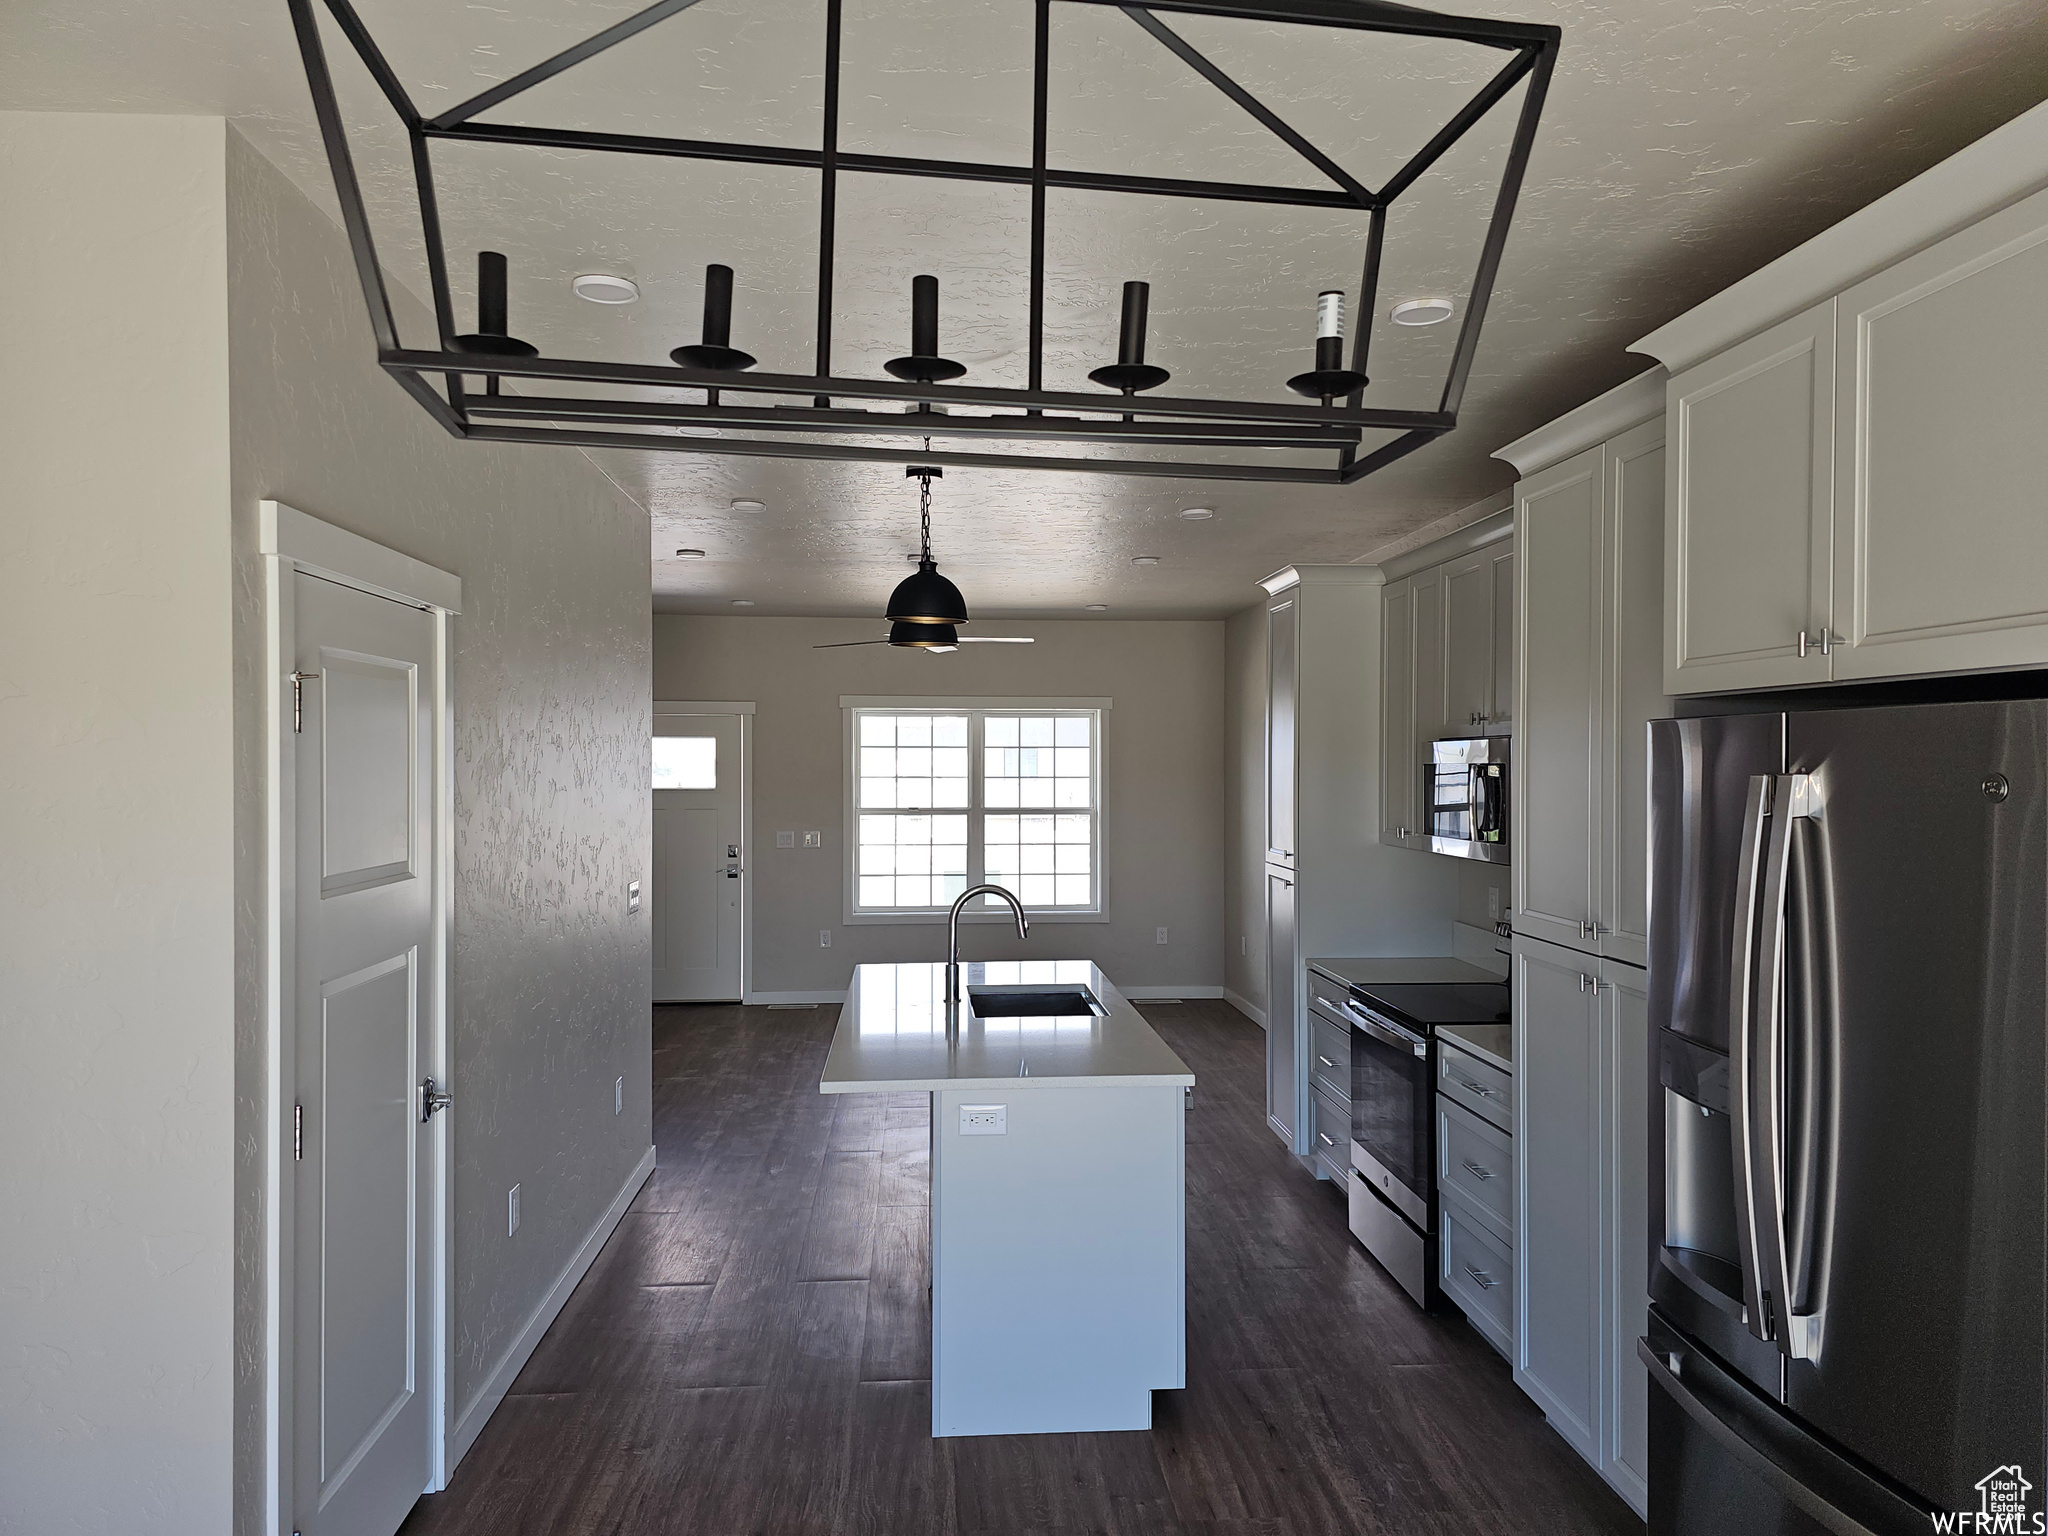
[
  {"x": 364, "y": 985},
  {"x": 699, "y": 858}
]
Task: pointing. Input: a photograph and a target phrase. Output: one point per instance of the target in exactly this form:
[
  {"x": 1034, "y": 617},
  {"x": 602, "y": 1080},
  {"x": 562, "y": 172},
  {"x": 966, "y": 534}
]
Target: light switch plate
[
  {"x": 785, "y": 839},
  {"x": 984, "y": 1120},
  {"x": 1160, "y": 938},
  {"x": 824, "y": 938},
  {"x": 632, "y": 897},
  {"x": 1493, "y": 903},
  {"x": 814, "y": 839}
]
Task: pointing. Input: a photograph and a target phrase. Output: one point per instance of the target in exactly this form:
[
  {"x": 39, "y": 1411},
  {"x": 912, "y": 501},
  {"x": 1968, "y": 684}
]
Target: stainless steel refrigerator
[{"x": 1849, "y": 979}]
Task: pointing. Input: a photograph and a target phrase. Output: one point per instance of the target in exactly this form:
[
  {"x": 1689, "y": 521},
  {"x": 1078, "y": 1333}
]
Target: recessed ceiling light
[
  {"x": 603, "y": 288},
  {"x": 748, "y": 504},
  {"x": 1421, "y": 312},
  {"x": 1196, "y": 514},
  {"x": 689, "y": 554},
  {"x": 1098, "y": 607},
  {"x": 1144, "y": 559},
  {"x": 743, "y": 602}
]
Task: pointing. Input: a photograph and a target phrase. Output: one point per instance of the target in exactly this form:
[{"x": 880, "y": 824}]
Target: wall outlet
[
  {"x": 1493, "y": 903},
  {"x": 785, "y": 839},
  {"x": 619, "y": 1097},
  {"x": 632, "y": 896},
  {"x": 824, "y": 938},
  {"x": 512, "y": 1210},
  {"x": 984, "y": 1120},
  {"x": 814, "y": 839},
  {"x": 1159, "y": 937}
]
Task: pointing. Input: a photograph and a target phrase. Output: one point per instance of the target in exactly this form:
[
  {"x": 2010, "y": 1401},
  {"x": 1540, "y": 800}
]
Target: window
[
  {"x": 947, "y": 798},
  {"x": 686, "y": 762}
]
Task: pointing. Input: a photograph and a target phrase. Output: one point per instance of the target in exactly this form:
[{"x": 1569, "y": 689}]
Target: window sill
[{"x": 967, "y": 919}]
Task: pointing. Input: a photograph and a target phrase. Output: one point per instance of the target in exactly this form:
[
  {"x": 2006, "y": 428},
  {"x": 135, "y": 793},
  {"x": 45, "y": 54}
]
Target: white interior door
[
  {"x": 364, "y": 987},
  {"x": 700, "y": 857}
]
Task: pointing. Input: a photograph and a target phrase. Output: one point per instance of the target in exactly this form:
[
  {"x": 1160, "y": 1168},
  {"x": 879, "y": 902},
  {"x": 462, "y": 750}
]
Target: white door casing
[
  {"x": 363, "y": 1195},
  {"x": 700, "y": 867},
  {"x": 381, "y": 1017}
]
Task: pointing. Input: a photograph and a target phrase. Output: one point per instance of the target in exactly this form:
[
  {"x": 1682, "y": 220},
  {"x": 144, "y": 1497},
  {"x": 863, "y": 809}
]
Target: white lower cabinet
[{"x": 1581, "y": 1281}]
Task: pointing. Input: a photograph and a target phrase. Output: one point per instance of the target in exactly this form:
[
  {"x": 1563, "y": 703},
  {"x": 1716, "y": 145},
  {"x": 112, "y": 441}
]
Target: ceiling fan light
[
  {"x": 926, "y": 597},
  {"x": 924, "y": 637}
]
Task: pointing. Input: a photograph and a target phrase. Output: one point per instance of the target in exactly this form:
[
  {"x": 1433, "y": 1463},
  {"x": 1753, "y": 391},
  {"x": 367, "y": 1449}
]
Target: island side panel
[{"x": 1058, "y": 1260}]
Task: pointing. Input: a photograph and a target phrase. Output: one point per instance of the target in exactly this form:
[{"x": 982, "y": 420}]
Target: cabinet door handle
[
  {"x": 1481, "y": 1278},
  {"x": 1484, "y": 1093},
  {"x": 1802, "y": 645},
  {"x": 1326, "y": 1061},
  {"x": 1324, "y": 1138},
  {"x": 1476, "y": 1171}
]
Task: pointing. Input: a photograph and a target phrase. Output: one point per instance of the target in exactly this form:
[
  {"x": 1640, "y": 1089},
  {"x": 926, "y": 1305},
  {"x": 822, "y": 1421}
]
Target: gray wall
[
  {"x": 132, "y": 685},
  {"x": 117, "y": 992},
  {"x": 1163, "y": 783},
  {"x": 1245, "y": 890},
  {"x": 553, "y": 811}
]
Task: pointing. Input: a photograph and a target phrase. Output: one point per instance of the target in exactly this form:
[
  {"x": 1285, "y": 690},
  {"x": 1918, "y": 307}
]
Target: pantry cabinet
[
  {"x": 1854, "y": 492},
  {"x": 1589, "y": 545},
  {"x": 1400, "y": 770}
]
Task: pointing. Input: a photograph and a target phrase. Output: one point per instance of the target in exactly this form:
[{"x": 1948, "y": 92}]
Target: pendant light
[{"x": 924, "y": 596}]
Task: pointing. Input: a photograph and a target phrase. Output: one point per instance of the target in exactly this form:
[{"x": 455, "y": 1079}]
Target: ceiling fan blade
[
  {"x": 841, "y": 644},
  {"x": 996, "y": 640}
]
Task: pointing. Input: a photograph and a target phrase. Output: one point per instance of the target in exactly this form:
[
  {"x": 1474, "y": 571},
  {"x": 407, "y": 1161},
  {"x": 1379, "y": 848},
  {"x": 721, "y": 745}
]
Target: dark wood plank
[{"x": 751, "y": 1352}]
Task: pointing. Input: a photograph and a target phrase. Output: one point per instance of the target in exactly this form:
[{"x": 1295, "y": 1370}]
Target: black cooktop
[{"x": 1424, "y": 1005}]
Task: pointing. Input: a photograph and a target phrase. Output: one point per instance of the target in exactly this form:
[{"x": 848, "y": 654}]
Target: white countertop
[
  {"x": 1491, "y": 1043},
  {"x": 892, "y": 1035},
  {"x": 1364, "y": 971}
]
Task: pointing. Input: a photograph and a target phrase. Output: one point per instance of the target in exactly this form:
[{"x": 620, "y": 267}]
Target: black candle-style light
[
  {"x": 715, "y": 352},
  {"x": 1130, "y": 372},
  {"x": 924, "y": 365},
  {"x": 1329, "y": 378},
  {"x": 490, "y": 337}
]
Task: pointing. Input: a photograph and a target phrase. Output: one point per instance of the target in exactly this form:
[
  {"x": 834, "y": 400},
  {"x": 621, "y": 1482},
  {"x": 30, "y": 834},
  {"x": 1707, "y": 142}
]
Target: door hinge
[
  {"x": 299, "y": 681},
  {"x": 298, "y": 1133}
]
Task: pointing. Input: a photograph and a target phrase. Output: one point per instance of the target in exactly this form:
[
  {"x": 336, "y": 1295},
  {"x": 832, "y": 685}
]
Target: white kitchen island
[{"x": 1058, "y": 1192}]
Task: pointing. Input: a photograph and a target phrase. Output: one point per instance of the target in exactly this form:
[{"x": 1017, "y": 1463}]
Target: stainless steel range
[{"x": 1393, "y": 1120}]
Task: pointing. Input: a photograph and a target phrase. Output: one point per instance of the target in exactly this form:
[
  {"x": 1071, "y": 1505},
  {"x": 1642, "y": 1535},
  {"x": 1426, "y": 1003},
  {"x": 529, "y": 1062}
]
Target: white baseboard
[
  {"x": 758, "y": 998},
  {"x": 1139, "y": 994},
  {"x": 470, "y": 1422},
  {"x": 1256, "y": 1015}
]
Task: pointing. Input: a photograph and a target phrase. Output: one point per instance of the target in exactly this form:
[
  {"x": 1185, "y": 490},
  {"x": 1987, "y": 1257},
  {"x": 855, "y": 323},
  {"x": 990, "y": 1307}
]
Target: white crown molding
[
  {"x": 1322, "y": 576},
  {"x": 1624, "y": 406},
  {"x": 1496, "y": 521},
  {"x": 2004, "y": 166}
]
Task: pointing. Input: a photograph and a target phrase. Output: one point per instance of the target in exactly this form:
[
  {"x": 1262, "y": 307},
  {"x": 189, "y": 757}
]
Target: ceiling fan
[{"x": 926, "y": 610}]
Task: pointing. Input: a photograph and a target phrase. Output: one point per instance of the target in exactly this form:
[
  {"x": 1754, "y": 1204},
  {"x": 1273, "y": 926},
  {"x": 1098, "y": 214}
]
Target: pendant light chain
[{"x": 924, "y": 513}]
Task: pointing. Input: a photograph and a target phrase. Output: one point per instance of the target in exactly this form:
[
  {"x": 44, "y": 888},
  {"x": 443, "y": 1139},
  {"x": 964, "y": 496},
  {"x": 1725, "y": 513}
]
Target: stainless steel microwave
[{"x": 1465, "y": 797}]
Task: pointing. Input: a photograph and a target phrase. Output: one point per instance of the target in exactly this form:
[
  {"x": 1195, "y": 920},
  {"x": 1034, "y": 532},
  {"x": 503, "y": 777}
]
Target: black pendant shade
[{"x": 926, "y": 597}]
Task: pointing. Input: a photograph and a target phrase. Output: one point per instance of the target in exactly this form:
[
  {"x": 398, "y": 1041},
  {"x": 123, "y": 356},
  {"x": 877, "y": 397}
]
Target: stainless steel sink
[{"x": 1051, "y": 1000}]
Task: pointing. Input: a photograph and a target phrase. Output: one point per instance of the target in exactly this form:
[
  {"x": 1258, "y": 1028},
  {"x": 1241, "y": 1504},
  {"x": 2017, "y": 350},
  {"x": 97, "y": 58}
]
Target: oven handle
[{"x": 1384, "y": 1031}]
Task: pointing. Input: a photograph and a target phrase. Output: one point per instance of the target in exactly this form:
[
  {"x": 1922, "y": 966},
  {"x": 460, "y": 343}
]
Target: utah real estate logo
[{"x": 2002, "y": 1508}]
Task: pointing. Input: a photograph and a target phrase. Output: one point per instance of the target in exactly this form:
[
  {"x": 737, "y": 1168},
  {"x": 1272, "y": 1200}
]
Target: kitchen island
[{"x": 1057, "y": 1188}]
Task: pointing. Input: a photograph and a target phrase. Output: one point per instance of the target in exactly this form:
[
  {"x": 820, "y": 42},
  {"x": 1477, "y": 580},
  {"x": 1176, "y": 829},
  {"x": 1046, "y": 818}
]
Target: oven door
[{"x": 1391, "y": 1123}]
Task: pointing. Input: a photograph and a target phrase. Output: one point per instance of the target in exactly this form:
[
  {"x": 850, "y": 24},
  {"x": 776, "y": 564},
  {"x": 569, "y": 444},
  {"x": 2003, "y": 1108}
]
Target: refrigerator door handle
[
  {"x": 1742, "y": 1006},
  {"x": 1669, "y": 1370},
  {"x": 1796, "y": 795}
]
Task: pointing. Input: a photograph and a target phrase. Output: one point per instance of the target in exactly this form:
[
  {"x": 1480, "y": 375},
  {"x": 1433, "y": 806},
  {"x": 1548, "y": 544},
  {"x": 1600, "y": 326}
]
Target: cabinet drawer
[
  {"x": 1479, "y": 1274},
  {"x": 1331, "y": 1137},
  {"x": 1485, "y": 1090},
  {"x": 1329, "y": 1062},
  {"x": 1330, "y": 994},
  {"x": 1476, "y": 1159}
]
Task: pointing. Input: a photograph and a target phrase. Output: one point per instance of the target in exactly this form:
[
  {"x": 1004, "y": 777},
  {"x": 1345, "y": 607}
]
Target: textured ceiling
[{"x": 1683, "y": 146}]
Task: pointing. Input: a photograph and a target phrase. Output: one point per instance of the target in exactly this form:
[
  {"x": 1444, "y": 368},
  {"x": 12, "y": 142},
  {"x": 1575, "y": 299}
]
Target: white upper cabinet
[
  {"x": 1400, "y": 778},
  {"x": 1749, "y": 559},
  {"x": 1468, "y": 643},
  {"x": 1501, "y": 712},
  {"x": 1432, "y": 707},
  {"x": 1941, "y": 545},
  {"x": 1557, "y": 551}
]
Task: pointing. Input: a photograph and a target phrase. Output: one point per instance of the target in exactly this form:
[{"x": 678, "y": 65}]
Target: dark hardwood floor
[{"x": 751, "y": 1352}]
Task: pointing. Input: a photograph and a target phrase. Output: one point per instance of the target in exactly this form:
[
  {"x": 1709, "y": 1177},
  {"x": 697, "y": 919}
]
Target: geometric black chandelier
[{"x": 821, "y": 415}]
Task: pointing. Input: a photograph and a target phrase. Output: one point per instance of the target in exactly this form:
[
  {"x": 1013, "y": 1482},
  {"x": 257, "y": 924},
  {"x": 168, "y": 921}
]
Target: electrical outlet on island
[{"x": 1160, "y": 936}]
